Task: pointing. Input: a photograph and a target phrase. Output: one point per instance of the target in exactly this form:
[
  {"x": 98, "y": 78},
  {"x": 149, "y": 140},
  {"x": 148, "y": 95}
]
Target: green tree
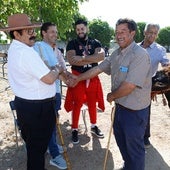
[
  {"x": 71, "y": 34},
  {"x": 164, "y": 37},
  {"x": 61, "y": 12},
  {"x": 97, "y": 29},
  {"x": 140, "y": 29},
  {"x": 101, "y": 31}
]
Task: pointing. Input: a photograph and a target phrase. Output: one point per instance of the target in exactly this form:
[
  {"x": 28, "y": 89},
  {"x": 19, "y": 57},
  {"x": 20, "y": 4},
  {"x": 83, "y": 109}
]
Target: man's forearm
[
  {"x": 123, "y": 90},
  {"x": 94, "y": 58},
  {"x": 89, "y": 74}
]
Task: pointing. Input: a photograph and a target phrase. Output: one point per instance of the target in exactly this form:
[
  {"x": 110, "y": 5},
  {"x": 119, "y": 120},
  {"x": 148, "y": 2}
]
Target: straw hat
[{"x": 19, "y": 22}]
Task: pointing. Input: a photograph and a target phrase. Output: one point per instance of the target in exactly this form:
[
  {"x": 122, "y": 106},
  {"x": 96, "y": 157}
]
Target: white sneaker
[{"x": 59, "y": 162}]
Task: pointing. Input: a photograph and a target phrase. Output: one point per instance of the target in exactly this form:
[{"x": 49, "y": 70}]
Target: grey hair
[{"x": 148, "y": 25}]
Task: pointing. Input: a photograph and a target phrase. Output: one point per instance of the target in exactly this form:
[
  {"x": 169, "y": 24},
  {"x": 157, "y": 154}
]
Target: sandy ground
[{"x": 89, "y": 154}]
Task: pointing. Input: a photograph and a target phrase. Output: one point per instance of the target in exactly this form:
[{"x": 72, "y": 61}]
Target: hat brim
[{"x": 37, "y": 25}]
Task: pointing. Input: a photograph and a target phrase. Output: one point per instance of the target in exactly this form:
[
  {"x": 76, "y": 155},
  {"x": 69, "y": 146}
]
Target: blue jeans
[
  {"x": 52, "y": 145},
  {"x": 129, "y": 128},
  {"x": 58, "y": 102},
  {"x": 147, "y": 130}
]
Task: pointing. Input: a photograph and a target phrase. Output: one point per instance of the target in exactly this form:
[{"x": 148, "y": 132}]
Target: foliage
[
  {"x": 101, "y": 31},
  {"x": 140, "y": 29},
  {"x": 164, "y": 37},
  {"x": 64, "y": 13},
  {"x": 1, "y": 40},
  {"x": 60, "y": 12},
  {"x": 98, "y": 29},
  {"x": 71, "y": 34}
]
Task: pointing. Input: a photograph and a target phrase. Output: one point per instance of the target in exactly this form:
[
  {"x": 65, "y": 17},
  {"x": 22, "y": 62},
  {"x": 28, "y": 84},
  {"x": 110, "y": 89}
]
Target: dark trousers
[
  {"x": 147, "y": 130},
  {"x": 129, "y": 128},
  {"x": 167, "y": 95},
  {"x": 37, "y": 121}
]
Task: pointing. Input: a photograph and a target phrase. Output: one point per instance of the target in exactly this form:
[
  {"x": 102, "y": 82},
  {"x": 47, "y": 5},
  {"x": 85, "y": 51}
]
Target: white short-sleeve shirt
[{"x": 25, "y": 69}]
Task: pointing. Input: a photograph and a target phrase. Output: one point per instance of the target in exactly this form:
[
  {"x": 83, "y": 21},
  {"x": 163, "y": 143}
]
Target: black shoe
[
  {"x": 75, "y": 138},
  {"x": 147, "y": 143},
  {"x": 96, "y": 131}
]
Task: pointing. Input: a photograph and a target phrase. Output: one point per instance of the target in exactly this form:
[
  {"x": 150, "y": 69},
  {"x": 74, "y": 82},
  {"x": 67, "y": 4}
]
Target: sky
[{"x": 138, "y": 10}]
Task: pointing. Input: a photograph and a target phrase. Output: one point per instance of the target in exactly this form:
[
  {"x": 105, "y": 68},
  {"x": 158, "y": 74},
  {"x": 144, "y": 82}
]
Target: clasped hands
[
  {"x": 72, "y": 80},
  {"x": 58, "y": 68},
  {"x": 69, "y": 79}
]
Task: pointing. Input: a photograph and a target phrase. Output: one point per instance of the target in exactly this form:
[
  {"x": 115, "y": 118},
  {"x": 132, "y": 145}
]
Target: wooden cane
[
  {"x": 62, "y": 143},
  {"x": 110, "y": 132}
]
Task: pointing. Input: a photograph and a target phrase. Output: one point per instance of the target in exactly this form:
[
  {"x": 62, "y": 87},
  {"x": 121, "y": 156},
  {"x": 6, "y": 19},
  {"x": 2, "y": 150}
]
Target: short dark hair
[
  {"x": 81, "y": 21},
  {"x": 45, "y": 27},
  {"x": 11, "y": 33},
  {"x": 132, "y": 26}
]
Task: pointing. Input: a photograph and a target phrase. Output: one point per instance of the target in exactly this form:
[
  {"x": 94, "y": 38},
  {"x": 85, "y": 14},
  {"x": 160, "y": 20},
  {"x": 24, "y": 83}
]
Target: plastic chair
[{"x": 16, "y": 123}]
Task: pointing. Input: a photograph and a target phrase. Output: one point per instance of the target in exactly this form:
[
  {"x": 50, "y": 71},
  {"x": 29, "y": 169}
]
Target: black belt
[
  {"x": 36, "y": 101},
  {"x": 123, "y": 107}
]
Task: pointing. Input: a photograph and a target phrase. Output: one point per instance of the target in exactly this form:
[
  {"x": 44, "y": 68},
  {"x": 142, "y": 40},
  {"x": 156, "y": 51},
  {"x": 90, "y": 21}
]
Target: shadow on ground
[
  {"x": 157, "y": 162},
  {"x": 87, "y": 155},
  {"x": 13, "y": 158}
]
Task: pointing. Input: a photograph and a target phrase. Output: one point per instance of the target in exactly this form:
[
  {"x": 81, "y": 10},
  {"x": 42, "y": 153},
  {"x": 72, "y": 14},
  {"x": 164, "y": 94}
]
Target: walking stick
[
  {"x": 62, "y": 143},
  {"x": 110, "y": 132}
]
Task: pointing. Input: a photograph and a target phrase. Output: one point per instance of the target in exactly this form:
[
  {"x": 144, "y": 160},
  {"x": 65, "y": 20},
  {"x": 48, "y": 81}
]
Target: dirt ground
[{"x": 89, "y": 154}]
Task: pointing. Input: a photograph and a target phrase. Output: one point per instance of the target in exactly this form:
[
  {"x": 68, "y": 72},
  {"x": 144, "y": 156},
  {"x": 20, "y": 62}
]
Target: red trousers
[{"x": 83, "y": 93}]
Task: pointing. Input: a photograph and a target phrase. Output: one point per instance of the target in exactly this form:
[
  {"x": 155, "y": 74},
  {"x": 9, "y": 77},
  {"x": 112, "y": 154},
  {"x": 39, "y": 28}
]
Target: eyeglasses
[{"x": 30, "y": 31}]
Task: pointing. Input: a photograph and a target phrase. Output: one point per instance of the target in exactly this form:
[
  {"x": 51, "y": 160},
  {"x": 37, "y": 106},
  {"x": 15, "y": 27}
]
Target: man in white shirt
[{"x": 33, "y": 84}]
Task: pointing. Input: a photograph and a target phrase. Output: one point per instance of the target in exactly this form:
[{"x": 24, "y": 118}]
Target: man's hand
[
  {"x": 72, "y": 80},
  {"x": 110, "y": 97},
  {"x": 65, "y": 76},
  {"x": 59, "y": 68}
]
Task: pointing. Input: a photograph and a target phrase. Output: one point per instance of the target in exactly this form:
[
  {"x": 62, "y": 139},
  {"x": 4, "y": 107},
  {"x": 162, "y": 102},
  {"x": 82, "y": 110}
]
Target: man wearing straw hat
[{"x": 33, "y": 84}]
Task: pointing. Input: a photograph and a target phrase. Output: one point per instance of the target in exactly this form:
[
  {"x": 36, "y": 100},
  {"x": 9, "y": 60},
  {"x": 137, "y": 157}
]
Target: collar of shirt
[{"x": 125, "y": 50}]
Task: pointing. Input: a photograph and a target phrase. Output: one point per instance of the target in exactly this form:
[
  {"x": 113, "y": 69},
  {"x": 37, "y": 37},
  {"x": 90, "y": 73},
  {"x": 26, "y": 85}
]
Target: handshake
[
  {"x": 68, "y": 78},
  {"x": 71, "y": 80}
]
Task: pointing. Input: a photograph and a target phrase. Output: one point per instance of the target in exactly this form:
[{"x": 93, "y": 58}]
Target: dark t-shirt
[{"x": 87, "y": 46}]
